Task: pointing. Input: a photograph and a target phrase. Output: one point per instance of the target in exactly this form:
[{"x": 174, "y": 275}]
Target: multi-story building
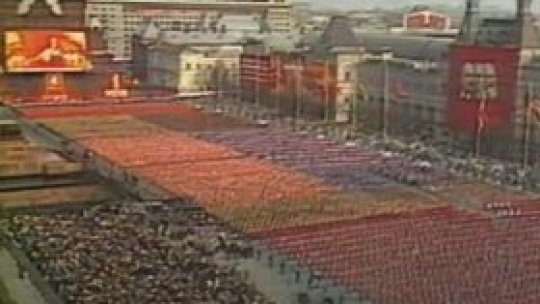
[
  {"x": 122, "y": 18},
  {"x": 478, "y": 91},
  {"x": 424, "y": 18},
  {"x": 474, "y": 88},
  {"x": 316, "y": 81},
  {"x": 187, "y": 62}
]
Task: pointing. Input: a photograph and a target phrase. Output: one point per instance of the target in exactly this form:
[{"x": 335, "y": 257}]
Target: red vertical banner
[
  {"x": 320, "y": 78},
  {"x": 260, "y": 71},
  {"x": 287, "y": 74},
  {"x": 536, "y": 111},
  {"x": 279, "y": 77},
  {"x": 477, "y": 74},
  {"x": 399, "y": 90}
]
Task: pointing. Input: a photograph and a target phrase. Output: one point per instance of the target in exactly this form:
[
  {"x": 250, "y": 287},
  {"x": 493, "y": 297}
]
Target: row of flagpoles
[
  {"x": 265, "y": 73},
  {"x": 273, "y": 73}
]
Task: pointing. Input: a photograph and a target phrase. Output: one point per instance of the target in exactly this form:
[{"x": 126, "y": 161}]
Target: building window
[
  {"x": 188, "y": 66},
  {"x": 347, "y": 76}
]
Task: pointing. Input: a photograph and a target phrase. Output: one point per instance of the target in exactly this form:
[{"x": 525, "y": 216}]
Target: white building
[
  {"x": 187, "y": 62},
  {"x": 122, "y": 18}
]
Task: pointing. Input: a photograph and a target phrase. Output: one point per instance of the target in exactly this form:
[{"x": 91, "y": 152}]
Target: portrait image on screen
[{"x": 46, "y": 51}]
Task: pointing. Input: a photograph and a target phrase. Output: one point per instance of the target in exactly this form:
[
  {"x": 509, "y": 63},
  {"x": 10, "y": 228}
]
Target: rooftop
[{"x": 263, "y": 3}]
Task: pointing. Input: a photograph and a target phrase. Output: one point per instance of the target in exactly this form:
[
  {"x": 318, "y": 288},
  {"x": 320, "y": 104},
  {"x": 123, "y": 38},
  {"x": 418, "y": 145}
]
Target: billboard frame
[{"x": 3, "y": 56}]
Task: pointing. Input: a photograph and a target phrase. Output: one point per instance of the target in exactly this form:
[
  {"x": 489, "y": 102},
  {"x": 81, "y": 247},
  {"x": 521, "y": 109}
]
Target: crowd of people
[
  {"x": 430, "y": 154},
  {"x": 136, "y": 253},
  {"x": 458, "y": 162}
]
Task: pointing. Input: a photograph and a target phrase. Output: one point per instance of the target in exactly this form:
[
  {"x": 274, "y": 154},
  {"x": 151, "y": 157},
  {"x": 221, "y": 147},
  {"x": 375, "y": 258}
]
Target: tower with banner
[
  {"x": 485, "y": 89},
  {"x": 48, "y": 54}
]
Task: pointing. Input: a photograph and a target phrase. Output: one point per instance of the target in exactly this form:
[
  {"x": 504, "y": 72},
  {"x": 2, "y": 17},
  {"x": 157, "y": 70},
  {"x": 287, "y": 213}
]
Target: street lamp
[
  {"x": 219, "y": 81},
  {"x": 527, "y": 125},
  {"x": 359, "y": 89},
  {"x": 298, "y": 89},
  {"x": 257, "y": 84},
  {"x": 386, "y": 56},
  {"x": 277, "y": 75},
  {"x": 326, "y": 92}
]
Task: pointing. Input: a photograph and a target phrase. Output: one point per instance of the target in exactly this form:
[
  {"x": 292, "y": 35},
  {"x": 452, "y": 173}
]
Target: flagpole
[
  {"x": 298, "y": 89},
  {"x": 326, "y": 93},
  {"x": 386, "y": 96},
  {"x": 527, "y": 126},
  {"x": 354, "y": 116},
  {"x": 257, "y": 84},
  {"x": 480, "y": 122},
  {"x": 277, "y": 64},
  {"x": 219, "y": 80}
]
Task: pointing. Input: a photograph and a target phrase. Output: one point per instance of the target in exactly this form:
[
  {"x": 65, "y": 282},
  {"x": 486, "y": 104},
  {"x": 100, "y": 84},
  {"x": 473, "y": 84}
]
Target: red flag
[
  {"x": 535, "y": 108},
  {"x": 482, "y": 115},
  {"x": 399, "y": 90}
]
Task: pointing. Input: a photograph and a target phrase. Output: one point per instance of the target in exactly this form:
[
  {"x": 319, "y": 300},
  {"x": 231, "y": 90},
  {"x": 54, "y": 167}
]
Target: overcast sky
[{"x": 355, "y": 4}]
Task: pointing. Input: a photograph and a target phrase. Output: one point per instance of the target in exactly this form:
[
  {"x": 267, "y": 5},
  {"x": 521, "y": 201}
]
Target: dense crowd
[
  {"x": 136, "y": 253},
  {"x": 425, "y": 149},
  {"x": 347, "y": 166},
  {"x": 456, "y": 161},
  {"x": 440, "y": 255}
]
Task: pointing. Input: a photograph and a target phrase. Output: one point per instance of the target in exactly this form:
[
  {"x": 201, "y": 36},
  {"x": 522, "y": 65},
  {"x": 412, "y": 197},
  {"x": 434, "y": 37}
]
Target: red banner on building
[
  {"x": 275, "y": 73},
  {"x": 320, "y": 78},
  {"x": 260, "y": 71},
  {"x": 482, "y": 83}
]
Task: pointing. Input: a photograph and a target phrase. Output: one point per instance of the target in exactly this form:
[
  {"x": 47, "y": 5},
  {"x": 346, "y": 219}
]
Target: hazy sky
[{"x": 506, "y": 4}]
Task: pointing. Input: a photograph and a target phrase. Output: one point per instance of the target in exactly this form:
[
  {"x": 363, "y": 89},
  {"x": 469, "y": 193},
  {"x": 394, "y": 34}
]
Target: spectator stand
[
  {"x": 26, "y": 267},
  {"x": 75, "y": 151},
  {"x": 155, "y": 223}
]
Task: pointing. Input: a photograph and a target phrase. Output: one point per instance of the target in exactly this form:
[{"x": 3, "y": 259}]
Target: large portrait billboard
[{"x": 46, "y": 51}]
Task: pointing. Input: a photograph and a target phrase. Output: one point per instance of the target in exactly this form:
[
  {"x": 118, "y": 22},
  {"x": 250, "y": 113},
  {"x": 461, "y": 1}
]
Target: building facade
[
  {"x": 317, "y": 80},
  {"x": 491, "y": 88},
  {"x": 123, "y": 18},
  {"x": 470, "y": 91},
  {"x": 187, "y": 62},
  {"x": 424, "y": 18}
]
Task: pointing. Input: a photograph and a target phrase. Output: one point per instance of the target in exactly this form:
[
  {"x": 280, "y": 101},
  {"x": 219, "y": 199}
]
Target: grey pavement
[
  {"x": 278, "y": 282},
  {"x": 21, "y": 291}
]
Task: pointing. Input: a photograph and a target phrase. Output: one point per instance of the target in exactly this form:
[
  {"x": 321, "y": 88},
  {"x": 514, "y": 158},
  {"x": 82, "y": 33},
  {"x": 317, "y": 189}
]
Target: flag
[
  {"x": 482, "y": 115},
  {"x": 535, "y": 109},
  {"x": 258, "y": 71},
  {"x": 399, "y": 90},
  {"x": 320, "y": 79}
]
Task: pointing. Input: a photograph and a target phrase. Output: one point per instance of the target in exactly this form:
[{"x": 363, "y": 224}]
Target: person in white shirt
[{"x": 25, "y": 6}]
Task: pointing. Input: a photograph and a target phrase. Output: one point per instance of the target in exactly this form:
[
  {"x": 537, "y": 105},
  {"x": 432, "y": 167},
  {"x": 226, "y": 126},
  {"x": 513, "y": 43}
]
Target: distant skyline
[{"x": 358, "y": 4}]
